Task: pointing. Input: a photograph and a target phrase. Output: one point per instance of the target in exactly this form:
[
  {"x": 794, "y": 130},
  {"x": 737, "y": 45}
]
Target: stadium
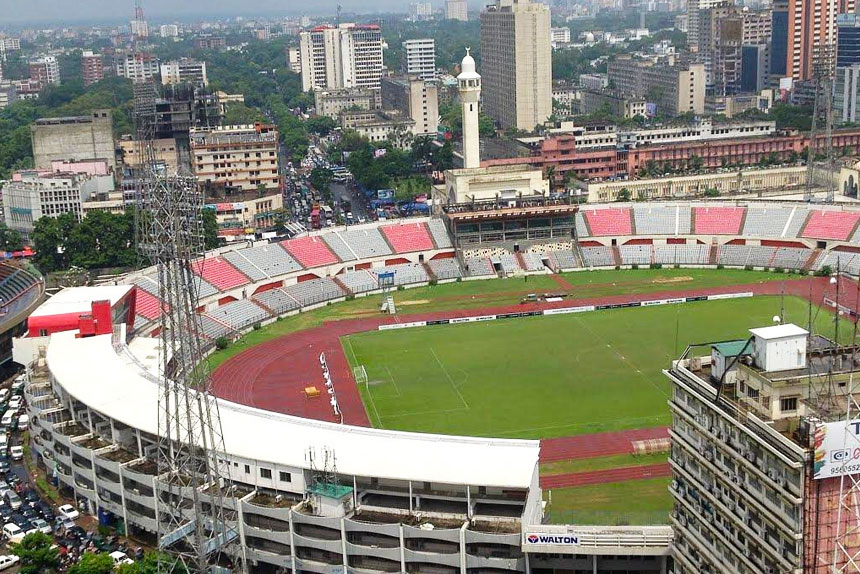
[{"x": 428, "y": 440}]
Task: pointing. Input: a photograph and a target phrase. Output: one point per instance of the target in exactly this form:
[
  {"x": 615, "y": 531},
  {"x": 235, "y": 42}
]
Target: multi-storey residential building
[
  {"x": 694, "y": 9},
  {"x": 92, "y": 67},
  {"x": 136, "y": 67},
  {"x": 419, "y": 11},
  {"x": 763, "y": 457},
  {"x": 10, "y": 44},
  {"x": 378, "y": 126},
  {"x": 348, "y": 56},
  {"x": 73, "y": 138},
  {"x": 846, "y": 97},
  {"x": 294, "y": 59},
  {"x": 414, "y": 98},
  {"x": 594, "y": 81},
  {"x": 240, "y": 157},
  {"x": 516, "y": 63},
  {"x": 168, "y": 31},
  {"x": 8, "y": 94},
  {"x": 184, "y": 71},
  {"x": 420, "y": 58},
  {"x": 811, "y": 26},
  {"x": 209, "y": 42},
  {"x": 675, "y": 86},
  {"x": 720, "y": 42},
  {"x": 757, "y": 27},
  {"x": 332, "y": 103},
  {"x": 456, "y": 10},
  {"x": 35, "y": 194},
  {"x": 45, "y": 70},
  {"x": 560, "y": 36}
]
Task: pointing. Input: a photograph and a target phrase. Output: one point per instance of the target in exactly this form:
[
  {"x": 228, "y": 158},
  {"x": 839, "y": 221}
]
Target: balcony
[
  {"x": 281, "y": 560},
  {"x": 372, "y": 540},
  {"x": 372, "y": 564},
  {"x": 275, "y": 537},
  {"x": 427, "y": 568},
  {"x": 392, "y": 554},
  {"x": 432, "y": 558}
]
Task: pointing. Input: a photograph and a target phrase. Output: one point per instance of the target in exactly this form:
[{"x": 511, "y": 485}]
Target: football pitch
[{"x": 550, "y": 376}]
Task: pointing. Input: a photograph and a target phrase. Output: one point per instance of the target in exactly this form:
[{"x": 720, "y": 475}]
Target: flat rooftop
[{"x": 80, "y": 299}]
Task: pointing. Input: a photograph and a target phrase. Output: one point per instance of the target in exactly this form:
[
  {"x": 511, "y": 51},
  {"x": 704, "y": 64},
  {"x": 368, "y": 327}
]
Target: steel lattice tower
[
  {"x": 822, "y": 109},
  {"x": 195, "y": 526}
]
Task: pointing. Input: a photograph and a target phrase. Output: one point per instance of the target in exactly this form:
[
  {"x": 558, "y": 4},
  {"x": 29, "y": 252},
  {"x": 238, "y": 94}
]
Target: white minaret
[{"x": 470, "y": 94}]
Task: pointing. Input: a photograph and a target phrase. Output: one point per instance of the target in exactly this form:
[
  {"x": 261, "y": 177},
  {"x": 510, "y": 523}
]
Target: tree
[
  {"x": 239, "y": 113},
  {"x": 50, "y": 238},
  {"x": 210, "y": 229},
  {"x": 10, "y": 240},
  {"x": 93, "y": 563},
  {"x": 486, "y": 126},
  {"x": 149, "y": 565},
  {"x": 623, "y": 195},
  {"x": 695, "y": 163},
  {"x": 320, "y": 125},
  {"x": 320, "y": 178},
  {"x": 37, "y": 554}
]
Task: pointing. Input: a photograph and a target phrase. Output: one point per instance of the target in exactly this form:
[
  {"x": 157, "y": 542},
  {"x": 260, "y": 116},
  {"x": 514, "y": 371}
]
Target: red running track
[
  {"x": 598, "y": 444},
  {"x": 273, "y": 375},
  {"x": 622, "y": 474}
]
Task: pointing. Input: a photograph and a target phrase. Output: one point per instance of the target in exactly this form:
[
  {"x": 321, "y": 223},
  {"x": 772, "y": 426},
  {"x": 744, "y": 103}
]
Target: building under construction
[{"x": 765, "y": 453}]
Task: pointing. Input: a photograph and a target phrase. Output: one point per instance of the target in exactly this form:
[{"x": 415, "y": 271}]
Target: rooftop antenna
[{"x": 339, "y": 10}]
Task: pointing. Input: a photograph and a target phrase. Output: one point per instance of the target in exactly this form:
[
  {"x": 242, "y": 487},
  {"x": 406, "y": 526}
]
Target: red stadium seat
[
  {"x": 835, "y": 225},
  {"x": 219, "y": 273},
  {"x": 146, "y": 305},
  {"x": 718, "y": 220},
  {"x": 610, "y": 221},
  {"x": 408, "y": 237}
]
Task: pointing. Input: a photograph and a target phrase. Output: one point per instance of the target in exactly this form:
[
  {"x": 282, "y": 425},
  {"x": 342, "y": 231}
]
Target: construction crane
[{"x": 195, "y": 527}]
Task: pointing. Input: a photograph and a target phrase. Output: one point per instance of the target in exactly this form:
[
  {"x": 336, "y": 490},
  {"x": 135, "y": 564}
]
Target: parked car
[
  {"x": 13, "y": 533},
  {"x": 62, "y": 522},
  {"x": 17, "y": 452},
  {"x": 120, "y": 558},
  {"x": 68, "y": 511},
  {"x": 8, "y": 561},
  {"x": 41, "y": 525}
]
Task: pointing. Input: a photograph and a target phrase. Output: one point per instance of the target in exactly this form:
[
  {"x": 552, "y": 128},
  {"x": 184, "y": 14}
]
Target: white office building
[
  {"x": 420, "y": 58},
  {"x": 349, "y": 56}
]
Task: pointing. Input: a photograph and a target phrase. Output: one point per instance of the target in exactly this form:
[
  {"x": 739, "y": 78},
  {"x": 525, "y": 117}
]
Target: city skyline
[{"x": 55, "y": 11}]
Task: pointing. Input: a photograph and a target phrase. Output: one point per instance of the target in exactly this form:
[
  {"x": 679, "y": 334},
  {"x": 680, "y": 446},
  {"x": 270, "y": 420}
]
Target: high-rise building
[
  {"x": 560, "y": 36},
  {"x": 757, "y": 27},
  {"x": 240, "y": 157},
  {"x": 348, "y": 56},
  {"x": 456, "y": 10},
  {"x": 720, "y": 40},
  {"x": 812, "y": 27},
  {"x": 136, "y": 67},
  {"x": 694, "y": 9},
  {"x": 419, "y": 11},
  {"x": 847, "y": 40},
  {"x": 168, "y": 31},
  {"x": 675, "y": 86},
  {"x": 420, "y": 58},
  {"x": 754, "y": 76},
  {"x": 846, "y": 96},
  {"x": 45, "y": 70},
  {"x": 516, "y": 63},
  {"x": 779, "y": 39},
  {"x": 92, "y": 67},
  {"x": 763, "y": 457},
  {"x": 469, "y": 83},
  {"x": 184, "y": 71},
  {"x": 8, "y": 94},
  {"x": 415, "y": 98}
]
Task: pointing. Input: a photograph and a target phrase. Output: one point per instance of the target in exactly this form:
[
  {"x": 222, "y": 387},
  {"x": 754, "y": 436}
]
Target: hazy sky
[{"x": 75, "y": 11}]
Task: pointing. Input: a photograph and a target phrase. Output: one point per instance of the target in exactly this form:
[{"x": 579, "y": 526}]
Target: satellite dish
[
  {"x": 777, "y": 319},
  {"x": 833, "y": 280}
]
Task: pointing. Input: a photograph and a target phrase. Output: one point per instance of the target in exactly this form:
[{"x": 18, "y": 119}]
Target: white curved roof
[
  {"x": 468, "y": 70},
  {"x": 119, "y": 386}
]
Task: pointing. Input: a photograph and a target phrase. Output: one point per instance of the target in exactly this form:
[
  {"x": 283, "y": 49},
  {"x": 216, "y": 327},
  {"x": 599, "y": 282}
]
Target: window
[
  {"x": 266, "y": 473},
  {"x": 247, "y": 469},
  {"x": 788, "y": 404},
  {"x": 284, "y": 476}
]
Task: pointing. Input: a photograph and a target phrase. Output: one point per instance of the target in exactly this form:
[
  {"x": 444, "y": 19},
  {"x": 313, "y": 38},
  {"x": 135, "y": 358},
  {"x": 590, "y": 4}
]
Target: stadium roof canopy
[{"x": 120, "y": 385}]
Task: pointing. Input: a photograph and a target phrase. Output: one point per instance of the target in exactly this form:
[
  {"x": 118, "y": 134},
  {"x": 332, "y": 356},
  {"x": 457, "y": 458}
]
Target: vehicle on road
[{"x": 17, "y": 452}]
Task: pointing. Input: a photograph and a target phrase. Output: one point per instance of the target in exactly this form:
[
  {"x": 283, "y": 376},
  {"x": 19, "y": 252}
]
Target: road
[{"x": 340, "y": 191}]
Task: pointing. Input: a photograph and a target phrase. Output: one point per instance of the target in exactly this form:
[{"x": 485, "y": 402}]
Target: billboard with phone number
[{"x": 837, "y": 449}]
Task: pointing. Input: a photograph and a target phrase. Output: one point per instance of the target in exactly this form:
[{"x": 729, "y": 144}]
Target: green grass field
[
  {"x": 498, "y": 292},
  {"x": 545, "y": 376},
  {"x": 645, "y": 501}
]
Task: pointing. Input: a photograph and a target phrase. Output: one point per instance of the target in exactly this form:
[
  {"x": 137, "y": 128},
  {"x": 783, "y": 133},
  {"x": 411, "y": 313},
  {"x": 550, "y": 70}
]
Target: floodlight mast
[{"x": 197, "y": 531}]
